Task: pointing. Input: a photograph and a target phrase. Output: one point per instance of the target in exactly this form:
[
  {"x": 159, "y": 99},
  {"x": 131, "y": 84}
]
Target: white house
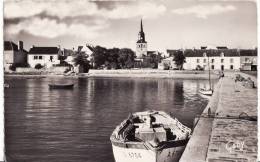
[
  {"x": 248, "y": 59},
  {"x": 221, "y": 59},
  {"x": 70, "y": 54},
  {"x": 46, "y": 56}
]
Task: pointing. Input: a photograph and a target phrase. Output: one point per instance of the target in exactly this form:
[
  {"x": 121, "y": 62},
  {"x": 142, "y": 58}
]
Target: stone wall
[{"x": 53, "y": 70}]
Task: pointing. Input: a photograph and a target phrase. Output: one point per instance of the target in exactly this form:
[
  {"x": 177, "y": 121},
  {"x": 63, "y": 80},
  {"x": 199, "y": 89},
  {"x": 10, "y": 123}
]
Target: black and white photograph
[{"x": 129, "y": 81}]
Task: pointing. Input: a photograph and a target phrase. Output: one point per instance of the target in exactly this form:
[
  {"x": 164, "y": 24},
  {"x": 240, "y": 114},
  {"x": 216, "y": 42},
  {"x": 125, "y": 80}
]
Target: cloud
[
  {"x": 70, "y": 8},
  {"x": 203, "y": 11},
  {"x": 82, "y": 18},
  {"x": 50, "y": 28},
  {"x": 143, "y": 9}
]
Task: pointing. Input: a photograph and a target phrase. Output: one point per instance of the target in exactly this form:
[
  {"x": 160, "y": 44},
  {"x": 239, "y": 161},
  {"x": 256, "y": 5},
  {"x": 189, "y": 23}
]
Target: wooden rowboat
[
  {"x": 207, "y": 92},
  {"x": 61, "y": 86}
]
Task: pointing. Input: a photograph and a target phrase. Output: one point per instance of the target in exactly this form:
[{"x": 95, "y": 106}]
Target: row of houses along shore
[{"x": 53, "y": 58}]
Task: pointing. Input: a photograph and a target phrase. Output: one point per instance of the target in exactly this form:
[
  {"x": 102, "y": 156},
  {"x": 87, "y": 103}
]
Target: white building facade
[
  {"x": 248, "y": 59},
  {"x": 218, "y": 59},
  {"x": 213, "y": 59},
  {"x": 45, "y": 56}
]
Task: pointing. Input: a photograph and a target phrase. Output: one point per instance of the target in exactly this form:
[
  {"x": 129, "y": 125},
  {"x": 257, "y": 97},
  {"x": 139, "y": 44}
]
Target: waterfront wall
[
  {"x": 153, "y": 73},
  {"x": 52, "y": 70},
  {"x": 224, "y": 136}
]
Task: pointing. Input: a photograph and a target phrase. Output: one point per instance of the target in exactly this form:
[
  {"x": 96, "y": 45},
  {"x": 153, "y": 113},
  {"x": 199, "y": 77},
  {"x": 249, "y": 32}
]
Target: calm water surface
[{"x": 45, "y": 125}]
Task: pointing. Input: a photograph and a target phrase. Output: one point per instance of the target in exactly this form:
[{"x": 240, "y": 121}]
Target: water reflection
[{"x": 75, "y": 125}]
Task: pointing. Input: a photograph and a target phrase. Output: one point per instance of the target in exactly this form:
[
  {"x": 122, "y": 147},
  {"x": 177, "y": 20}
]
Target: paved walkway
[{"x": 226, "y": 138}]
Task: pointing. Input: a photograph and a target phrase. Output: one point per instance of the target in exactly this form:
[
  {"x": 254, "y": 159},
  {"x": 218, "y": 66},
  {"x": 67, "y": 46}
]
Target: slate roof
[
  {"x": 211, "y": 53},
  {"x": 248, "y": 52},
  {"x": 44, "y": 50},
  {"x": 173, "y": 52},
  {"x": 214, "y": 52},
  {"x": 10, "y": 46}
]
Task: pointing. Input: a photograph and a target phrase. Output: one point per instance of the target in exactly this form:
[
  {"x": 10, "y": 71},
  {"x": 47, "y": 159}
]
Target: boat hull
[
  {"x": 122, "y": 154},
  {"x": 56, "y": 86},
  {"x": 206, "y": 92}
]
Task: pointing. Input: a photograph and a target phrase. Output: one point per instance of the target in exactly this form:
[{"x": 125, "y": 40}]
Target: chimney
[{"x": 20, "y": 45}]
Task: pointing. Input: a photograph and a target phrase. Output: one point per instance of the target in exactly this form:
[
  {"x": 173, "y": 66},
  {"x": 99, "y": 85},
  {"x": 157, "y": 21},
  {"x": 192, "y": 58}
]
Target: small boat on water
[
  {"x": 207, "y": 92},
  {"x": 61, "y": 86},
  {"x": 150, "y": 136},
  {"x": 6, "y": 85},
  {"x": 204, "y": 91}
]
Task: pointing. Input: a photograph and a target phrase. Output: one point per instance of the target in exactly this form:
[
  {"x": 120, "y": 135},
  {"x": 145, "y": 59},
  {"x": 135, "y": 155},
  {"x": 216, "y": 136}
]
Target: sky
[{"x": 168, "y": 24}]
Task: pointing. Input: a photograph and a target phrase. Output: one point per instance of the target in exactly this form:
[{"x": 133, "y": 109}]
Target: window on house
[
  {"x": 222, "y": 60},
  {"x": 204, "y": 60},
  {"x": 212, "y": 67},
  {"x": 35, "y": 57},
  {"x": 246, "y": 59},
  {"x": 231, "y": 60},
  {"x": 198, "y": 60},
  {"x": 51, "y": 58},
  {"x": 40, "y": 57},
  {"x": 222, "y": 67},
  {"x": 212, "y": 60},
  {"x": 231, "y": 67}
]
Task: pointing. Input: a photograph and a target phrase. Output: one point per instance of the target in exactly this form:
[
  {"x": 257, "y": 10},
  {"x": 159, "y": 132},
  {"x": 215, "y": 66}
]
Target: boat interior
[{"x": 153, "y": 127}]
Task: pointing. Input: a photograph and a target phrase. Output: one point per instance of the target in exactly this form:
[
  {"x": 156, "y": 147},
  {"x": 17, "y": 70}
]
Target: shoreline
[
  {"x": 146, "y": 73},
  {"x": 159, "y": 76}
]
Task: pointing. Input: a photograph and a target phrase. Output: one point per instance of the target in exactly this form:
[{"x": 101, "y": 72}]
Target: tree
[
  {"x": 81, "y": 59},
  {"x": 126, "y": 58},
  {"x": 112, "y": 57},
  {"x": 179, "y": 59},
  {"x": 38, "y": 66},
  {"x": 99, "y": 56}
]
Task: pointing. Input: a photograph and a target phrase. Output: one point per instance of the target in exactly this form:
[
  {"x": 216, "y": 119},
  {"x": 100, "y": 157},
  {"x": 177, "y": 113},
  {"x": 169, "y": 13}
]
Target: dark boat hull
[{"x": 61, "y": 86}]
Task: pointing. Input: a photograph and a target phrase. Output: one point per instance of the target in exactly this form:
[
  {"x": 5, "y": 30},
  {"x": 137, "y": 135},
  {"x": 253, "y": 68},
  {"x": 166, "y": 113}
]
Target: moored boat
[
  {"x": 61, "y": 86},
  {"x": 6, "y": 85},
  {"x": 207, "y": 92},
  {"x": 204, "y": 91},
  {"x": 150, "y": 136}
]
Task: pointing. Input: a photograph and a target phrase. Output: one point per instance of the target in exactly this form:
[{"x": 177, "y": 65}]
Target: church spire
[
  {"x": 141, "y": 35},
  {"x": 141, "y": 25}
]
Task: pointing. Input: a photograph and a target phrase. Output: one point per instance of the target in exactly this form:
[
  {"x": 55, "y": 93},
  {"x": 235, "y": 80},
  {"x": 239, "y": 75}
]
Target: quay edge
[{"x": 223, "y": 138}]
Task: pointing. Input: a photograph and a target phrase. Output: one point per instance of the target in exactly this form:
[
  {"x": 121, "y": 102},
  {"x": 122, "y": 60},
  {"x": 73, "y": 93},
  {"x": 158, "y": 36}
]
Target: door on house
[
  {"x": 222, "y": 67},
  {"x": 253, "y": 67}
]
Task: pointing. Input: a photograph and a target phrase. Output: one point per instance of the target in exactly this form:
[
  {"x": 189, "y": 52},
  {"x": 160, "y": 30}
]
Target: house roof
[
  {"x": 44, "y": 50},
  {"x": 10, "y": 46},
  {"x": 214, "y": 52},
  {"x": 173, "y": 52},
  {"x": 211, "y": 53},
  {"x": 248, "y": 52}
]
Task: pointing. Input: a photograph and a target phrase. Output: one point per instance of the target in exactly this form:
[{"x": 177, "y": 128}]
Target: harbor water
[{"x": 75, "y": 125}]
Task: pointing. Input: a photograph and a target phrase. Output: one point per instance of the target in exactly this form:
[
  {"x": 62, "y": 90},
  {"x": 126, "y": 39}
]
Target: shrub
[
  {"x": 12, "y": 67},
  {"x": 38, "y": 66}
]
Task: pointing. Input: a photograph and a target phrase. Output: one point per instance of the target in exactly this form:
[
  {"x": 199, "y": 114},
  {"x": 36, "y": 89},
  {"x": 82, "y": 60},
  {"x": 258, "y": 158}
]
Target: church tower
[{"x": 141, "y": 44}]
